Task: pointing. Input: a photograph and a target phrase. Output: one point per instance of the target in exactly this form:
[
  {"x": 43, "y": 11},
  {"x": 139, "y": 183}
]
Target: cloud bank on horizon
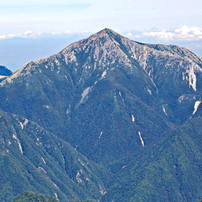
[
  {"x": 31, "y": 35},
  {"x": 183, "y": 33}
]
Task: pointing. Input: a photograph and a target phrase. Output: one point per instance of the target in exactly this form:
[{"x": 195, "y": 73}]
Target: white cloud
[
  {"x": 184, "y": 33},
  {"x": 31, "y": 35},
  {"x": 28, "y": 32}
]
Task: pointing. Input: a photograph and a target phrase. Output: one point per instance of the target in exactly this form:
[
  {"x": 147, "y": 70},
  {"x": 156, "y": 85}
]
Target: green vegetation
[
  {"x": 32, "y": 197},
  {"x": 168, "y": 171},
  {"x": 89, "y": 200},
  {"x": 32, "y": 159}
]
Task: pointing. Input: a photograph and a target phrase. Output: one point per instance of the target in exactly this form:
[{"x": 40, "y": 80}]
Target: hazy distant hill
[{"x": 4, "y": 72}]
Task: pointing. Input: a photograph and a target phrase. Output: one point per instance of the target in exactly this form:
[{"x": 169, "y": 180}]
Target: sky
[{"x": 38, "y": 28}]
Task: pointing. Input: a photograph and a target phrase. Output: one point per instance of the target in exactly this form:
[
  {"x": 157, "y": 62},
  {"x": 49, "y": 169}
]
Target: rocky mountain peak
[
  {"x": 107, "y": 31},
  {"x": 106, "y": 52},
  {"x": 100, "y": 52},
  {"x": 102, "y": 49}
]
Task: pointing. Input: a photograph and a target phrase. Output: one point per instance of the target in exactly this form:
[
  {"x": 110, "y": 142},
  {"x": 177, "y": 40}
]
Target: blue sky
[
  {"x": 19, "y": 16},
  {"x": 155, "y": 21}
]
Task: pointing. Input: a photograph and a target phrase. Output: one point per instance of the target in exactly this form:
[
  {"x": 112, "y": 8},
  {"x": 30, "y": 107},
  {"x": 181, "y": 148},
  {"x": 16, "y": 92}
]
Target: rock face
[{"x": 110, "y": 98}]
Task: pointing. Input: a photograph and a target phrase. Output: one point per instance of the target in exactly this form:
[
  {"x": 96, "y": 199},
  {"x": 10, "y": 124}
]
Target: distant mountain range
[{"x": 107, "y": 119}]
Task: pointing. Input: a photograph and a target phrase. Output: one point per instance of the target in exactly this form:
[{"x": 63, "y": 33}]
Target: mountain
[
  {"x": 32, "y": 159},
  {"x": 168, "y": 171},
  {"x": 4, "y": 72},
  {"x": 124, "y": 105},
  {"x": 92, "y": 93}
]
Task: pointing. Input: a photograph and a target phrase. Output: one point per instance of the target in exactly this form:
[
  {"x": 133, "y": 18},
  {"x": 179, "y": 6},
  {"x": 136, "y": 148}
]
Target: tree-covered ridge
[
  {"x": 32, "y": 159},
  {"x": 32, "y": 197},
  {"x": 89, "y": 200},
  {"x": 170, "y": 170}
]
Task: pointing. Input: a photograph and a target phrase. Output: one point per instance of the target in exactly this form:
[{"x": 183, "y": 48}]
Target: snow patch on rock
[
  {"x": 102, "y": 190},
  {"x": 19, "y": 144},
  {"x": 42, "y": 169},
  {"x": 85, "y": 93},
  {"x": 141, "y": 138},
  {"x": 79, "y": 180},
  {"x": 43, "y": 160},
  {"x": 133, "y": 118},
  {"x": 164, "y": 110},
  {"x": 100, "y": 134},
  {"x": 121, "y": 96},
  {"x": 196, "y": 105},
  {"x": 24, "y": 124},
  {"x": 103, "y": 74},
  {"x": 56, "y": 196},
  {"x": 149, "y": 91},
  {"x": 192, "y": 77}
]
